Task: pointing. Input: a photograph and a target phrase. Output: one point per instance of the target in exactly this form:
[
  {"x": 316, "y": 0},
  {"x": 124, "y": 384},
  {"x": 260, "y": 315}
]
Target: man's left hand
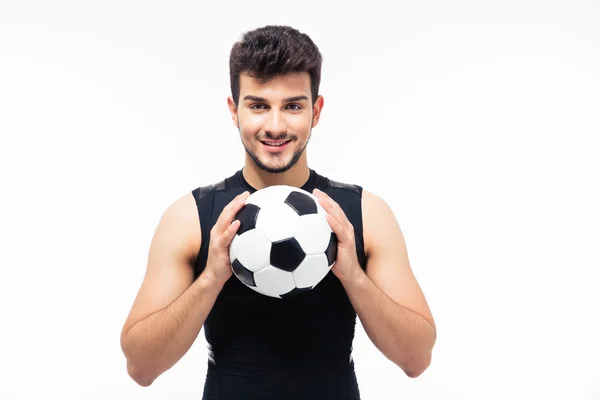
[{"x": 346, "y": 264}]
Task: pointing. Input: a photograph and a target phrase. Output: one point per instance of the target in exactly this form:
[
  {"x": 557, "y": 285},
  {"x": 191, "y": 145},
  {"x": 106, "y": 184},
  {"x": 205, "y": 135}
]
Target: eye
[
  {"x": 295, "y": 106},
  {"x": 258, "y": 106}
]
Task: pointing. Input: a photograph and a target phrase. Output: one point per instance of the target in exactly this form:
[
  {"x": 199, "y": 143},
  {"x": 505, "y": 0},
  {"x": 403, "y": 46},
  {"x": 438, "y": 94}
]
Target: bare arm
[
  {"x": 387, "y": 298},
  {"x": 170, "y": 308},
  {"x": 402, "y": 335}
]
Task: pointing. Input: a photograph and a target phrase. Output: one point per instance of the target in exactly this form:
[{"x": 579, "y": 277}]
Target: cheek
[
  {"x": 304, "y": 122},
  {"x": 249, "y": 128}
]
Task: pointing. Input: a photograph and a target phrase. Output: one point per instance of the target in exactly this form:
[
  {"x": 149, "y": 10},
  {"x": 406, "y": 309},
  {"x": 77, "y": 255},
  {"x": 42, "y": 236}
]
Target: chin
[
  {"x": 275, "y": 164},
  {"x": 275, "y": 168}
]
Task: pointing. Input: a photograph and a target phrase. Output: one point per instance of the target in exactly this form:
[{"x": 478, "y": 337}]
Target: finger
[
  {"x": 343, "y": 235},
  {"x": 336, "y": 217},
  {"x": 229, "y": 234},
  {"x": 334, "y": 209},
  {"x": 239, "y": 198},
  {"x": 229, "y": 212},
  {"x": 325, "y": 199}
]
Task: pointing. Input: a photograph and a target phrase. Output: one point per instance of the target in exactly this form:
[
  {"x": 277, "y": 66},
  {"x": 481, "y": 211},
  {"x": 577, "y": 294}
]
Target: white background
[{"x": 476, "y": 121}]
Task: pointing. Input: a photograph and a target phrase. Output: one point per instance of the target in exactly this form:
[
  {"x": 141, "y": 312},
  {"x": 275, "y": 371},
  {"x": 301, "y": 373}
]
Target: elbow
[
  {"x": 140, "y": 373},
  {"x": 140, "y": 376},
  {"x": 414, "y": 373},
  {"x": 417, "y": 366},
  {"x": 419, "y": 362}
]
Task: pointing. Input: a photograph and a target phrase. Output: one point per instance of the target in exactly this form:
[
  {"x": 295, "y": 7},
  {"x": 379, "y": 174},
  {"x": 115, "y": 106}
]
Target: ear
[
  {"x": 233, "y": 111},
  {"x": 317, "y": 108}
]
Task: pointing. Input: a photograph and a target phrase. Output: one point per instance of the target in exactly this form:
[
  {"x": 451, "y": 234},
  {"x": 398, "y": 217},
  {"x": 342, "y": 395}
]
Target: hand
[
  {"x": 218, "y": 265},
  {"x": 346, "y": 264}
]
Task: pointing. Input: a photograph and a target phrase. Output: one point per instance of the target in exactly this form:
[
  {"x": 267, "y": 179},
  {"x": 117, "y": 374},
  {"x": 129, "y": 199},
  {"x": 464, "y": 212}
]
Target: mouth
[{"x": 275, "y": 146}]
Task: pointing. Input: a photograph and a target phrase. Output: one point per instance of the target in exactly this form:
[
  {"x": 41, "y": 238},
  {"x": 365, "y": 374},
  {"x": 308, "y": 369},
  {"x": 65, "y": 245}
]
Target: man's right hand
[{"x": 218, "y": 265}]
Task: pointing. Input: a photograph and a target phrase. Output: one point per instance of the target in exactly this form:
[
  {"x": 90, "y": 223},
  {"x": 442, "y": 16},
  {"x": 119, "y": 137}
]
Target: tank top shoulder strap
[
  {"x": 204, "y": 199},
  {"x": 323, "y": 181}
]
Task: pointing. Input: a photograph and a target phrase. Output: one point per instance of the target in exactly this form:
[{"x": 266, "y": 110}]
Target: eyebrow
[{"x": 286, "y": 100}]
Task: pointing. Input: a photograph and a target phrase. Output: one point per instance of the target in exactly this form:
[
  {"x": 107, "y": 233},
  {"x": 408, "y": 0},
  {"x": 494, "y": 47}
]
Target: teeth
[{"x": 275, "y": 144}]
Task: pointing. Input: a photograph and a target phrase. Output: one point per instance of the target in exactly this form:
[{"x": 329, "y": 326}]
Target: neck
[{"x": 259, "y": 179}]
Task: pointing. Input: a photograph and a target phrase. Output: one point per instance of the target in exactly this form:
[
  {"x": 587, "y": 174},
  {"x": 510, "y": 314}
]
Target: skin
[{"x": 171, "y": 307}]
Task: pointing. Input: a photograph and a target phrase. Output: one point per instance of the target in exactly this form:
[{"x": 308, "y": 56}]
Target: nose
[{"x": 275, "y": 123}]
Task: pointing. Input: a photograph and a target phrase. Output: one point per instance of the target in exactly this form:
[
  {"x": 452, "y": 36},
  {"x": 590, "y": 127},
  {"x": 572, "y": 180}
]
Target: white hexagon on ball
[
  {"x": 251, "y": 249},
  {"x": 277, "y": 222},
  {"x": 271, "y": 281},
  {"x": 313, "y": 233},
  {"x": 311, "y": 271}
]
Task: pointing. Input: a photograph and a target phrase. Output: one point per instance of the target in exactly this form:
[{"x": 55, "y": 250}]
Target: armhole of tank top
[
  {"x": 362, "y": 228},
  {"x": 200, "y": 194}
]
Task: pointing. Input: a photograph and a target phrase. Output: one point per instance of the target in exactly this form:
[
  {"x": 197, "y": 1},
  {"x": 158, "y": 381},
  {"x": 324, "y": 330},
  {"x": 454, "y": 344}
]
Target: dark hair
[{"x": 273, "y": 50}]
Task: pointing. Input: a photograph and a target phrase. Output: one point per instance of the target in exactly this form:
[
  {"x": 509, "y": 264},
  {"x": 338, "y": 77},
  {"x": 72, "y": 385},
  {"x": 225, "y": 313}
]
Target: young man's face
[{"x": 275, "y": 119}]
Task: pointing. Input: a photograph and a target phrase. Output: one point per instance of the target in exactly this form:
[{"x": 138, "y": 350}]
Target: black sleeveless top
[{"x": 267, "y": 348}]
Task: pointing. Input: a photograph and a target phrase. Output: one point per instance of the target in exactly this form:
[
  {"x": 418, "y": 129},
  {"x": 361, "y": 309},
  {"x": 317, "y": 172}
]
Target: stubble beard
[{"x": 277, "y": 170}]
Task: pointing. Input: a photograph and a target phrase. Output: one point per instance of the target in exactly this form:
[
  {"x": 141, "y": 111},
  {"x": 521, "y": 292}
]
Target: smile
[{"x": 275, "y": 144}]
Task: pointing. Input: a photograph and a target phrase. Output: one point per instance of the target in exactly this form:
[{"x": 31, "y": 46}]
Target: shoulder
[
  {"x": 374, "y": 204},
  {"x": 378, "y": 218},
  {"x": 179, "y": 227}
]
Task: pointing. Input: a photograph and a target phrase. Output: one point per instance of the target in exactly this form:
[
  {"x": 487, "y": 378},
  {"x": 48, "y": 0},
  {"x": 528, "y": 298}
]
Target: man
[{"x": 261, "y": 347}]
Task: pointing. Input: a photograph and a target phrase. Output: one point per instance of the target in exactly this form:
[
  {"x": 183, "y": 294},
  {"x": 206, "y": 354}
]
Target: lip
[{"x": 276, "y": 149}]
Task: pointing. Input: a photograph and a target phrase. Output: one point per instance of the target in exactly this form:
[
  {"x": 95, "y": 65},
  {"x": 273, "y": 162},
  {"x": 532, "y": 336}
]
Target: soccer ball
[{"x": 284, "y": 245}]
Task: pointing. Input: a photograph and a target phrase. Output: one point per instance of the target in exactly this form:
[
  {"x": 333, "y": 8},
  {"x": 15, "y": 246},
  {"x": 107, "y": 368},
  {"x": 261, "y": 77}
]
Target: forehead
[{"x": 295, "y": 83}]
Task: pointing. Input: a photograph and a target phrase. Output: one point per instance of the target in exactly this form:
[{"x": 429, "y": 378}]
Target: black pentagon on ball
[
  {"x": 331, "y": 251},
  {"x": 244, "y": 274},
  {"x": 302, "y": 203},
  {"x": 247, "y": 217},
  {"x": 295, "y": 292},
  {"x": 287, "y": 254}
]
